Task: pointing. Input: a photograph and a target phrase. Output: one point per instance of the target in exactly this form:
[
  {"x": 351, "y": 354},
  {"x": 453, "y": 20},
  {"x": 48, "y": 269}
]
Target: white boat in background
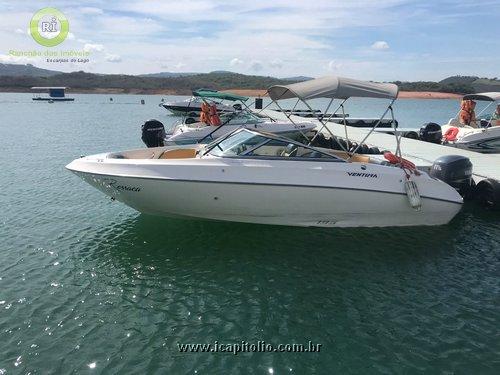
[
  {"x": 186, "y": 133},
  {"x": 255, "y": 177},
  {"x": 485, "y": 139},
  {"x": 192, "y": 106}
]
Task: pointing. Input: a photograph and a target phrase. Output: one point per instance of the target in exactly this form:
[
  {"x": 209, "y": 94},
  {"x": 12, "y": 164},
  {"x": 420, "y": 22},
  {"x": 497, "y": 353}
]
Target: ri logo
[{"x": 49, "y": 27}]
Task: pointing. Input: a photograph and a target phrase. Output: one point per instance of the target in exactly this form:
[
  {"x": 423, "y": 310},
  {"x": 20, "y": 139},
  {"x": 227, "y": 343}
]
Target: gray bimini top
[
  {"x": 486, "y": 96},
  {"x": 334, "y": 87}
]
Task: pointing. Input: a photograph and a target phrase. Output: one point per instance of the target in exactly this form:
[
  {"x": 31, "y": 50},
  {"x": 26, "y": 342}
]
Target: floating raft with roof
[{"x": 56, "y": 94}]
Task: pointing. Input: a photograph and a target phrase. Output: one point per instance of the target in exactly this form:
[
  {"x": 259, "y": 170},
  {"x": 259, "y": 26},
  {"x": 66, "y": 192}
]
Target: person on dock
[
  {"x": 495, "y": 119},
  {"x": 467, "y": 115}
]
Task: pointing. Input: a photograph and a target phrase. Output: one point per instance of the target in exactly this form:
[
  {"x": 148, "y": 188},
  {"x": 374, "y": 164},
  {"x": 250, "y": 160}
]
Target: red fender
[{"x": 451, "y": 134}]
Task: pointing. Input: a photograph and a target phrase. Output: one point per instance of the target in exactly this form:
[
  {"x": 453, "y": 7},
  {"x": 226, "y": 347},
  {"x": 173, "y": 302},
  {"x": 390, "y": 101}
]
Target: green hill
[
  {"x": 18, "y": 70},
  {"x": 127, "y": 83},
  {"x": 15, "y": 77}
]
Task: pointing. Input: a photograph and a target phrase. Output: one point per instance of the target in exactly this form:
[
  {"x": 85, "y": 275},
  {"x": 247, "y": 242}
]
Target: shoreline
[{"x": 243, "y": 92}]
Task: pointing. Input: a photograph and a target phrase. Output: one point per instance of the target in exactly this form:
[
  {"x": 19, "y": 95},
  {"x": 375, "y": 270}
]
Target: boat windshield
[
  {"x": 244, "y": 143},
  {"x": 237, "y": 143},
  {"x": 241, "y": 117}
]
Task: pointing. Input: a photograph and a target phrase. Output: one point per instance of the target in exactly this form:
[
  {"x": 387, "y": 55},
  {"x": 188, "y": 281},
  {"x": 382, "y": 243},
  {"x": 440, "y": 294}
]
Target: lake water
[{"x": 90, "y": 286}]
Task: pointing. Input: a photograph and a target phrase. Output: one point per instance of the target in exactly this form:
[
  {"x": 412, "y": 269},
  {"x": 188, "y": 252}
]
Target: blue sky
[{"x": 378, "y": 40}]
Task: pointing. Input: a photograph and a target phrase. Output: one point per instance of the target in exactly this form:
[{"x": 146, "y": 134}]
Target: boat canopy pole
[
  {"x": 345, "y": 127},
  {"x": 295, "y": 106},
  {"x": 328, "y": 107},
  {"x": 323, "y": 123},
  {"x": 389, "y": 108},
  {"x": 290, "y": 119}
]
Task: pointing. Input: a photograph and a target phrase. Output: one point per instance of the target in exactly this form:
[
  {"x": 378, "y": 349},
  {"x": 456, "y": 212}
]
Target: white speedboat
[
  {"x": 484, "y": 139},
  {"x": 254, "y": 177},
  {"x": 186, "y": 133},
  {"x": 192, "y": 106}
]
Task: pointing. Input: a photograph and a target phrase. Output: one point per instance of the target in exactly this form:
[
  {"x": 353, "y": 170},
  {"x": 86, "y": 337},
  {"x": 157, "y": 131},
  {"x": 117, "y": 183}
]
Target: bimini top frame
[
  {"x": 334, "y": 87},
  {"x": 213, "y": 94},
  {"x": 485, "y": 96}
]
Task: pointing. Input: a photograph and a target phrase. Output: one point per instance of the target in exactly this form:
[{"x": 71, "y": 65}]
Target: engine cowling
[
  {"x": 430, "y": 132},
  {"x": 153, "y": 133},
  {"x": 455, "y": 170}
]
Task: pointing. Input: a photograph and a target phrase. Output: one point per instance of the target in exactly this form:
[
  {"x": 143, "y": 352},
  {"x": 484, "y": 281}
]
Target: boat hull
[{"x": 305, "y": 205}]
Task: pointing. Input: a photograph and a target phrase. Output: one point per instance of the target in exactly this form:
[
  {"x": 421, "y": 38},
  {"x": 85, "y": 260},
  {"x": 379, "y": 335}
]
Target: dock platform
[{"x": 422, "y": 154}]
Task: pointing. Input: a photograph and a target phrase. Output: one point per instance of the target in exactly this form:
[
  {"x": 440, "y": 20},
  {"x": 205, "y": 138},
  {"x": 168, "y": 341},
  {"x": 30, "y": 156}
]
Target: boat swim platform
[{"x": 422, "y": 154}]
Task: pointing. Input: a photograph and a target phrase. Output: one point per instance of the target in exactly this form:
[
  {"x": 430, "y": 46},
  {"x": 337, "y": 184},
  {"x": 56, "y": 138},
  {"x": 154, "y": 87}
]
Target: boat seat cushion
[
  {"x": 355, "y": 158},
  {"x": 181, "y": 153}
]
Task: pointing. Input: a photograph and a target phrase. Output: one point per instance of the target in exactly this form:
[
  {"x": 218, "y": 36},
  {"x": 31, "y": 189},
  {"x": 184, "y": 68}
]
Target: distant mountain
[
  {"x": 458, "y": 79},
  {"x": 486, "y": 84},
  {"x": 15, "y": 77},
  {"x": 128, "y": 83},
  {"x": 297, "y": 79},
  {"x": 168, "y": 74},
  {"x": 222, "y": 72},
  {"x": 17, "y": 70},
  {"x": 473, "y": 83}
]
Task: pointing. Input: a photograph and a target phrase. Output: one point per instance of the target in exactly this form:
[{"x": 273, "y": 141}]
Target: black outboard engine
[
  {"x": 456, "y": 171},
  {"x": 153, "y": 133},
  {"x": 430, "y": 132}
]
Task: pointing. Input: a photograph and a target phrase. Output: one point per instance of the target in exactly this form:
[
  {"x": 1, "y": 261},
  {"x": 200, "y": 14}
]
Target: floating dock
[{"x": 422, "y": 154}]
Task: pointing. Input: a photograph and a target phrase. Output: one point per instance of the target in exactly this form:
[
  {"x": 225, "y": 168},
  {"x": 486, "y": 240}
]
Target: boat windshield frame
[{"x": 267, "y": 138}]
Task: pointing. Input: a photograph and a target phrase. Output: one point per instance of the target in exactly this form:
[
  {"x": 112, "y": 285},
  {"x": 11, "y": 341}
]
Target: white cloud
[
  {"x": 256, "y": 65},
  {"x": 380, "y": 45},
  {"x": 9, "y": 59},
  {"x": 19, "y": 31},
  {"x": 179, "y": 65},
  {"x": 70, "y": 36},
  {"x": 89, "y": 47},
  {"x": 235, "y": 62},
  {"x": 276, "y": 63},
  {"x": 90, "y": 10},
  {"x": 112, "y": 58},
  {"x": 334, "y": 65}
]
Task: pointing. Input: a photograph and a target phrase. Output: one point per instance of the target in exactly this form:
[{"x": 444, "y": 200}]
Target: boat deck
[{"x": 422, "y": 154}]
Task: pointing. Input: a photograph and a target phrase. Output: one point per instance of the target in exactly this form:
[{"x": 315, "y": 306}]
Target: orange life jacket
[
  {"x": 205, "y": 113},
  {"x": 214, "y": 117},
  {"x": 467, "y": 114}
]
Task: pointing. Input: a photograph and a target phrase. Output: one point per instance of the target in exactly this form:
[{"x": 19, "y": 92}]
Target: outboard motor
[
  {"x": 153, "y": 133},
  {"x": 456, "y": 171},
  {"x": 430, "y": 132}
]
